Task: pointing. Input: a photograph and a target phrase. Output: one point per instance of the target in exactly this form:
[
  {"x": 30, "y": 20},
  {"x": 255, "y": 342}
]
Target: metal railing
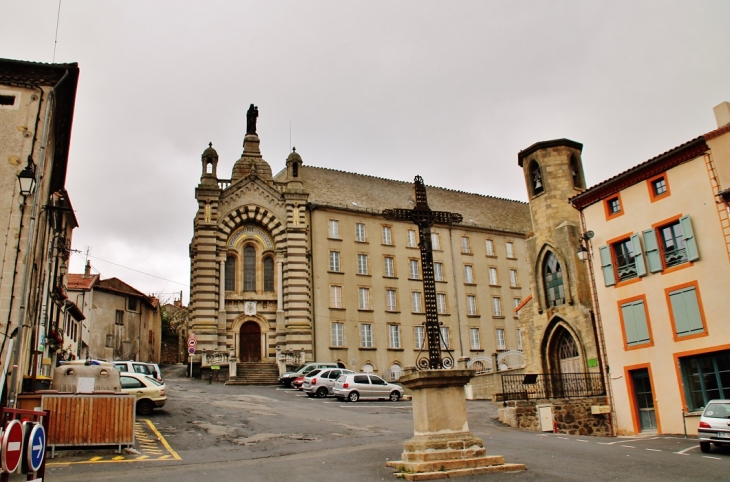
[
  {"x": 545, "y": 385},
  {"x": 627, "y": 271},
  {"x": 675, "y": 257}
]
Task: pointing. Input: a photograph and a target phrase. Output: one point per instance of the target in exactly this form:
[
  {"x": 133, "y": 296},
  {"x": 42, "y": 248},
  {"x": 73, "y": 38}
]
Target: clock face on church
[{"x": 249, "y": 308}]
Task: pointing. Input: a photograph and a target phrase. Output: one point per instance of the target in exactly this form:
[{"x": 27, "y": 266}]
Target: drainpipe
[
  {"x": 21, "y": 310},
  {"x": 598, "y": 330}
]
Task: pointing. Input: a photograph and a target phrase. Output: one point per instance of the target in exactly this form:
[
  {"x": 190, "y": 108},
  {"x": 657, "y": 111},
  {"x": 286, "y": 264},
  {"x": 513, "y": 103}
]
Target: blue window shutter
[
  {"x": 686, "y": 311},
  {"x": 689, "y": 239},
  {"x": 638, "y": 256},
  {"x": 653, "y": 256},
  {"x": 607, "y": 266},
  {"x": 637, "y": 331}
]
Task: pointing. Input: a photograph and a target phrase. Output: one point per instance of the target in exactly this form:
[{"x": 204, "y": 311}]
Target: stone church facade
[{"x": 301, "y": 266}]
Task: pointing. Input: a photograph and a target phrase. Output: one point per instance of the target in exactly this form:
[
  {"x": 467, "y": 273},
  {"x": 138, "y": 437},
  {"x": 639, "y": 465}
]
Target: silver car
[
  {"x": 714, "y": 425},
  {"x": 322, "y": 384},
  {"x": 354, "y": 386}
]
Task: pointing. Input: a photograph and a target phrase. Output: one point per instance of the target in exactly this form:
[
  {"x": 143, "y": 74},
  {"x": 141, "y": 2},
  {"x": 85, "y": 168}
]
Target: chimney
[
  {"x": 87, "y": 269},
  {"x": 722, "y": 114}
]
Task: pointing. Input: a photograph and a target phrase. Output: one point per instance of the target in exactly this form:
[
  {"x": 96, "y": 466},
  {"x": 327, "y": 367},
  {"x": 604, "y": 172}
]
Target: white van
[{"x": 129, "y": 366}]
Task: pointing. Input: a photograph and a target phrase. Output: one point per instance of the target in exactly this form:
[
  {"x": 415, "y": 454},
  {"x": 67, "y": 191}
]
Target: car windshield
[
  {"x": 154, "y": 380},
  {"x": 313, "y": 373},
  {"x": 717, "y": 410}
]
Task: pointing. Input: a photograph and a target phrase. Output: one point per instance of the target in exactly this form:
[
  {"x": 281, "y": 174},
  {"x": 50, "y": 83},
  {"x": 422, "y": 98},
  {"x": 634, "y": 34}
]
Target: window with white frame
[
  {"x": 468, "y": 273},
  {"x": 335, "y": 296},
  {"x": 416, "y": 302},
  {"x": 334, "y": 229},
  {"x": 515, "y": 303},
  {"x": 360, "y": 232},
  {"x": 338, "y": 334},
  {"x": 513, "y": 278},
  {"x": 471, "y": 305},
  {"x": 441, "y": 303},
  {"x": 387, "y": 235},
  {"x": 335, "y": 261},
  {"x": 444, "y": 337},
  {"x": 474, "y": 341},
  {"x": 519, "y": 339},
  {"x": 490, "y": 247},
  {"x": 394, "y": 336},
  {"x": 411, "y": 242},
  {"x": 413, "y": 271},
  {"x": 493, "y": 276},
  {"x": 510, "y": 249},
  {"x": 438, "y": 271},
  {"x": 418, "y": 337},
  {"x": 496, "y": 306},
  {"x": 465, "y": 246},
  {"x": 366, "y": 335},
  {"x": 363, "y": 298},
  {"x": 500, "y": 339},
  {"x": 389, "y": 267},
  {"x": 391, "y": 300},
  {"x": 435, "y": 242},
  {"x": 362, "y": 264}
]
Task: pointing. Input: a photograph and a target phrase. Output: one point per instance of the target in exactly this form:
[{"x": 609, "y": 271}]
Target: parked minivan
[
  {"x": 130, "y": 366},
  {"x": 289, "y": 377}
]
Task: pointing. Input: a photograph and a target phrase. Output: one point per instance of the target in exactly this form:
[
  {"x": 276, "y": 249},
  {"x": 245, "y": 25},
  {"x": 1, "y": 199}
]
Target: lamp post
[{"x": 26, "y": 179}]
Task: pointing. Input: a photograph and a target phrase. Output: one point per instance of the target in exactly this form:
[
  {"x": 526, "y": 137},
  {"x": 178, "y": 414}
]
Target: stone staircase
[{"x": 256, "y": 373}]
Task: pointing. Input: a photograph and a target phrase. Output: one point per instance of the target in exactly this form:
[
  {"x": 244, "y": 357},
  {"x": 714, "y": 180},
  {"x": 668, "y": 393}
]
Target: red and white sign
[
  {"x": 192, "y": 343},
  {"x": 11, "y": 446},
  {"x": 191, "y": 335}
]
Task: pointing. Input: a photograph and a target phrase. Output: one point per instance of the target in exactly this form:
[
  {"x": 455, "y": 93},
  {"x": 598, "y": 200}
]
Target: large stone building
[
  {"x": 301, "y": 265},
  {"x": 662, "y": 256},
  {"x": 36, "y": 114}
]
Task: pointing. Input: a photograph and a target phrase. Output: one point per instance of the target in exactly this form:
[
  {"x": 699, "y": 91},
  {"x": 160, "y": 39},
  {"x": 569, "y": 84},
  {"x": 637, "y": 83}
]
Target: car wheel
[
  {"x": 353, "y": 397},
  {"x": 394, "y": 396},
  {"x": 705, "y": 447},
  {"x": 145, "y": 407},
  {"x": 322, "y": 392}
]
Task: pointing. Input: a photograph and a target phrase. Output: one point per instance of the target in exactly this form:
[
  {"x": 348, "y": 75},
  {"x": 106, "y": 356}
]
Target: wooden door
[{"x": 250, "y": 346}]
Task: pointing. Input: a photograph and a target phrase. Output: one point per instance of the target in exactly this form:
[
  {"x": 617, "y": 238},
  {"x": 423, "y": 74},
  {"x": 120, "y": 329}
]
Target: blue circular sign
[{"x": 37, "y": 447}]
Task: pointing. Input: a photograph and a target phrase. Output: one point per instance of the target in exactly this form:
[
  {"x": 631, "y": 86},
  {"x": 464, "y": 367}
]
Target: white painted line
[
  {"x": 13, "y": 446},
  {"x": 709, "y": 457},
  {"x": 628, "y": 446},
  {"x": 682, "y": 452},
  {"x": 579, "y": 440},
  {"x": 564, "y": 438},
  {"x": 653, "y": 450},
  {"x": 604, "y": 443}
]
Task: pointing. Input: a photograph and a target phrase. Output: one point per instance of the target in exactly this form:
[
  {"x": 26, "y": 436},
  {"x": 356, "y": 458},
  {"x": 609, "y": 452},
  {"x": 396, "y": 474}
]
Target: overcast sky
[{"x": 448, "y": 90}]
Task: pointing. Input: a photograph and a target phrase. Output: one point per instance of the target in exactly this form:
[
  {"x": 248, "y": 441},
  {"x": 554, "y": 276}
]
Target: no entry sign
[{"x": 11, "y": 446}]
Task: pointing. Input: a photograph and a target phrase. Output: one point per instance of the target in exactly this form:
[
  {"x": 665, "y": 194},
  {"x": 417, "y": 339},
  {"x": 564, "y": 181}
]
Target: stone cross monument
[{"x": 424, "y": 218}]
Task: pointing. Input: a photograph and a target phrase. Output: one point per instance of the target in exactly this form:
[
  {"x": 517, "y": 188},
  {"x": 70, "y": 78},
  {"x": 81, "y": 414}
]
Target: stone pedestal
[{"x": 442, "y": 445}]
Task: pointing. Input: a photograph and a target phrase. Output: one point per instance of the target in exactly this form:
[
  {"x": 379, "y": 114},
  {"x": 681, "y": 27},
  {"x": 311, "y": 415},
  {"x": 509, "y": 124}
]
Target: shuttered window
[
  {"x": 636, "y": 327},
  {"x": 686, "y": 311}
]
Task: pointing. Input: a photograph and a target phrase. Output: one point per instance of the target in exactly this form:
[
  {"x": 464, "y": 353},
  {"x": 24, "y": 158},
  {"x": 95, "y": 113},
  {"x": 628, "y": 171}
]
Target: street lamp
[
  {"x": 582, "y": 251},
  {"x": 26, "y": 178}
]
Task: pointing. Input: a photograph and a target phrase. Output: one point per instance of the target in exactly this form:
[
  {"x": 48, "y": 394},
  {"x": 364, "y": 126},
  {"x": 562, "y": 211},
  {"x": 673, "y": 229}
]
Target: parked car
[
  {"x": 354, "y": 386},
  {"x": 130, "y": 366},
  {"x": 322, "y": 383},
  {"x": 287, "y": 378},
  {"x": 297, "y": 383},
  {"x": 714, "y": 425},
  {"x": 149, "y": 392}
]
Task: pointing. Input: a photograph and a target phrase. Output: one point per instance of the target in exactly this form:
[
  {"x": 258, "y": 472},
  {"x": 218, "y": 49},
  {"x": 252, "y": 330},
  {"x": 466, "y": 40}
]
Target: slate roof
[{"x": 359, "y": 192}]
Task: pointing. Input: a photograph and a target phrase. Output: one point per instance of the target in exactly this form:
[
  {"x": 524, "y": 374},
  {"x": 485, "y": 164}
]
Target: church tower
[{"x": 557, "y": 323}]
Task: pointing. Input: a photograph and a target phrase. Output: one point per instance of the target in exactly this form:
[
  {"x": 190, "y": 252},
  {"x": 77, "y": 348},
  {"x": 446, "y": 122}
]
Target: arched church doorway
[
  {"x": 250, "y": 343},
  {"x": 565, "y": 357}
]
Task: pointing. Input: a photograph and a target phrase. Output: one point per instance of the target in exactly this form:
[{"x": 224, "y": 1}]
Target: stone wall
[
  {"x": 571, "y": 415},
  {"x": 486, "y": 386}
]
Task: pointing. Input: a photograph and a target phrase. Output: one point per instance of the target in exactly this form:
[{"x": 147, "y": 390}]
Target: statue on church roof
[{"x": 251, "y": 115}]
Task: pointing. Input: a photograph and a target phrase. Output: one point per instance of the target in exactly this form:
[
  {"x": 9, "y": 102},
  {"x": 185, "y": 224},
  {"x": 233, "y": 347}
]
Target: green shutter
[
  {"x": 638, "y": 256},
  {"x": 637, "y": 330},
  {"x": 607, "y": 266},
  {"x": 686, "y": 311},
  {"x": 689, "y": 239},
  {"x": 653, "y": 255}
]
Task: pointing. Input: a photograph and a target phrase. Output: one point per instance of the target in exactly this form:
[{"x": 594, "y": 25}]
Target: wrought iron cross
[{"x": 424, "y": 218}]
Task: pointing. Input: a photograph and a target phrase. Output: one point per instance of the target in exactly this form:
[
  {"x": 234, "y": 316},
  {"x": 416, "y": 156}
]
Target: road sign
[
  {"x": 191, "y": 335},
  {"x": 192, "y": 343},
  {"x": 191, "y": 350},
  {"x": 11, "y": 445},
  {"x": 36, "y": 447}
]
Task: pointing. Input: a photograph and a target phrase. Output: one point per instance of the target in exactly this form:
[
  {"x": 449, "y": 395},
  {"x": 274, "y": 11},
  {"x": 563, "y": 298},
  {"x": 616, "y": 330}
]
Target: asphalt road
[{"x": 234, "y": 433}]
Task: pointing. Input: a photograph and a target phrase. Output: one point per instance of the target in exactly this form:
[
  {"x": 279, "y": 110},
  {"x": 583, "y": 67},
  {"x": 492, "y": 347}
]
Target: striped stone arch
[{"x": 249, "y": 214}]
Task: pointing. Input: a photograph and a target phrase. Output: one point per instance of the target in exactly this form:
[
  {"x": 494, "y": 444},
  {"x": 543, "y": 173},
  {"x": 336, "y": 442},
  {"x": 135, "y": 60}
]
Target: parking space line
[
  {"x": 682, "y": 452},
  {"x": 653, "y": 450},
  {"x": 711, "y": 457},
  {"x": 629, "y": 446}
]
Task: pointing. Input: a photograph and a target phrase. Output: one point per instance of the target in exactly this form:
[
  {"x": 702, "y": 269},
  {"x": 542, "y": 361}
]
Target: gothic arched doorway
[{"x": 250, "y": 342}]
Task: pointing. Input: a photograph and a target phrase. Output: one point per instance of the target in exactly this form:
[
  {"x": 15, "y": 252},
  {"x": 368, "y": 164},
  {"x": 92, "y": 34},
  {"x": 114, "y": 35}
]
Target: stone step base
[
  {"x": 452, "y": 474},
  {"x": 445, "y": 465}
]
